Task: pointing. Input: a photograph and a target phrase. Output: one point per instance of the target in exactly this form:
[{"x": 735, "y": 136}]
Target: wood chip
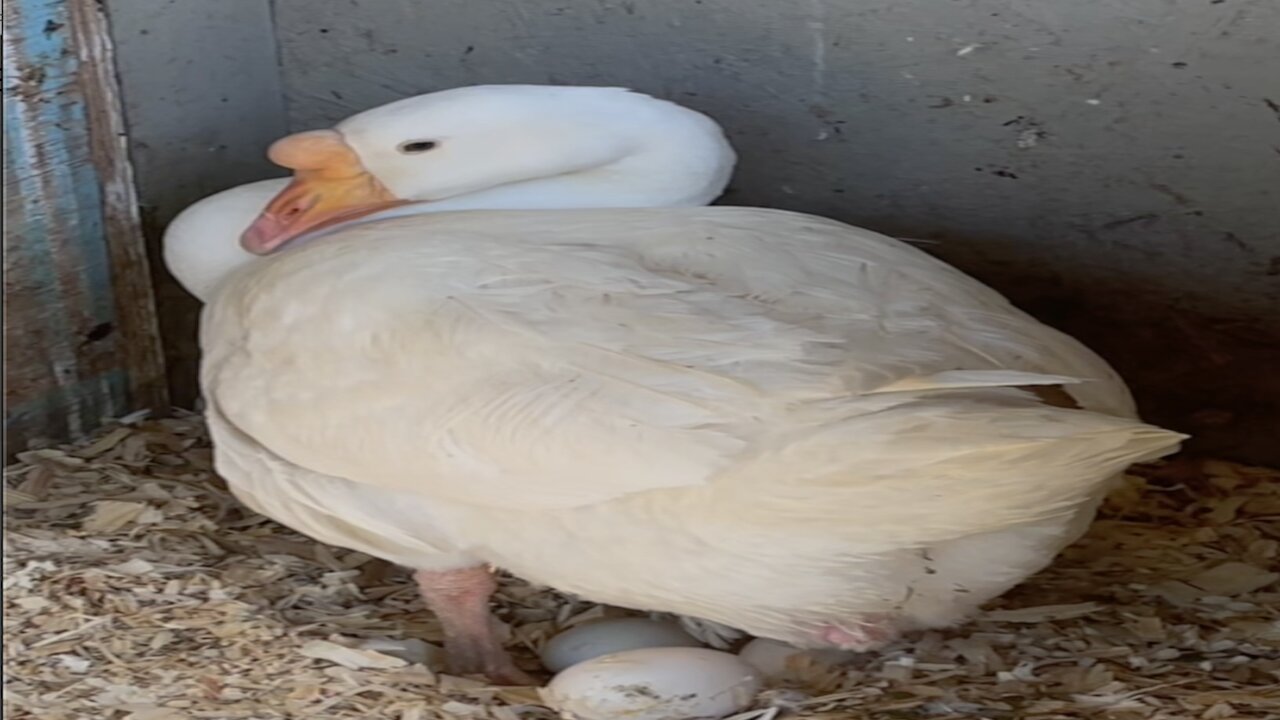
[
  {"x": 1233, "y": 578},
  {"x": 1043, "y": 613},
  {"x": 111, "y": 515},
  {"x": 348, "y": 657}
]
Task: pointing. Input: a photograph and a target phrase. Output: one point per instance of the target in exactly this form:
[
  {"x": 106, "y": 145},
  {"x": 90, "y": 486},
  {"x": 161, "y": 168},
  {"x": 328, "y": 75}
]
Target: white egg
[
  {"x": 602, "y": 637},
  {"x": 776, "y": 659},
  {"x": 666, "y": 683}
]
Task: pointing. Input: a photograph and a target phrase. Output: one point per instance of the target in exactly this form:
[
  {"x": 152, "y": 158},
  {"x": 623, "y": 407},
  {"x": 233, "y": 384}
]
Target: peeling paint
[{"x": 59, "y": 280}]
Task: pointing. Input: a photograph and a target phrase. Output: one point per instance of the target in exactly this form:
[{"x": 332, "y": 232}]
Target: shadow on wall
[{"x": 1214, "y": 377}]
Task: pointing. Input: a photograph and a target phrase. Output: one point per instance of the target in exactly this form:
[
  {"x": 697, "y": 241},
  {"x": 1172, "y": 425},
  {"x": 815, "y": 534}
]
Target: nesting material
[{"x": 137, "y": 588}]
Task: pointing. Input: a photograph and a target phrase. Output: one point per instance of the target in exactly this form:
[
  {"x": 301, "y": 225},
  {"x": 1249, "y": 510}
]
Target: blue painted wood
[{"x": 66, "y": 365}]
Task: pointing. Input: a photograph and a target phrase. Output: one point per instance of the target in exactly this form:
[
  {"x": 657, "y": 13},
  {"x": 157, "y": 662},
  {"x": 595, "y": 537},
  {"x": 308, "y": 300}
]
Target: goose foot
[
  {"x": 862, "y": 634},
  {"x": 460, "y": 600}
]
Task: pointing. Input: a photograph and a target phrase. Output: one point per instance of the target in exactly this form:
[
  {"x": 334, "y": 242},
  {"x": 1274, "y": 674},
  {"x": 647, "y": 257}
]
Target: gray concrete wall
[
  {"x": 202, "y": 95},
  {"x": 1112, "y": 166},
  {"x": 1130, "y": 140}
]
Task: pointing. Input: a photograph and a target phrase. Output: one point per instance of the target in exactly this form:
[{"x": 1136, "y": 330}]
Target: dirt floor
[{"x": 137, "y": 588}]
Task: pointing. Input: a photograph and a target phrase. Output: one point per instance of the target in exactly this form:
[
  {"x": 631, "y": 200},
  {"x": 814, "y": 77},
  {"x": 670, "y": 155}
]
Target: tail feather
[{"x": 938, "y": 466}]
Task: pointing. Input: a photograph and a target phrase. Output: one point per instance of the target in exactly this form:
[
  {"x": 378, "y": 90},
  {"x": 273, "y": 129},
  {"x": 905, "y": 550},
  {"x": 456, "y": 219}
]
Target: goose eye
[{"x": 413, "y": 147}]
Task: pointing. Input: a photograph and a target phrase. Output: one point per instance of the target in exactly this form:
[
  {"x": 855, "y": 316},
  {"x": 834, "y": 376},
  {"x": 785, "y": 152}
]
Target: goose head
[
  {"x": 494, "y": 147},
  {"x": 497, "y": 147}
]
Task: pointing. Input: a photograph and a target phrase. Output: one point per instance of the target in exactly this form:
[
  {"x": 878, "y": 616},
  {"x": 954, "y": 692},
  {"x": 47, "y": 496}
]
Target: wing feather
[{"x": 561, "y": 359}]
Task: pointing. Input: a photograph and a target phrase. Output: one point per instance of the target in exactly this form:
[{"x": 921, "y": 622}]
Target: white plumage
[
  {"x": 631, "y": 405},
  {"x": 781, "y": 423}
]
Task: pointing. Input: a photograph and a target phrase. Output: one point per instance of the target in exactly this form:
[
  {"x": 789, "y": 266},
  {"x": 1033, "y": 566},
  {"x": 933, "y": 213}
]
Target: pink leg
[
  {"x": 460, "y": 600},
  {"x": 861, "y": 634}
]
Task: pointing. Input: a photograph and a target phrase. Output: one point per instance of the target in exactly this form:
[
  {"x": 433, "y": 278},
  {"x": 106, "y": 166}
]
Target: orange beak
[{"x": 330, "y": 185}]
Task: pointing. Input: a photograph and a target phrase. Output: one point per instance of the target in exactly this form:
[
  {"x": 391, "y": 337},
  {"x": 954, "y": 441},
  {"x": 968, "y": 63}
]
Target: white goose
[{"x": 769, "y": 420}]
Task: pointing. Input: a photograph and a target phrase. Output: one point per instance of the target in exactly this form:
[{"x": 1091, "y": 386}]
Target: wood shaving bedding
[{"x": 137, "y": 588}]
